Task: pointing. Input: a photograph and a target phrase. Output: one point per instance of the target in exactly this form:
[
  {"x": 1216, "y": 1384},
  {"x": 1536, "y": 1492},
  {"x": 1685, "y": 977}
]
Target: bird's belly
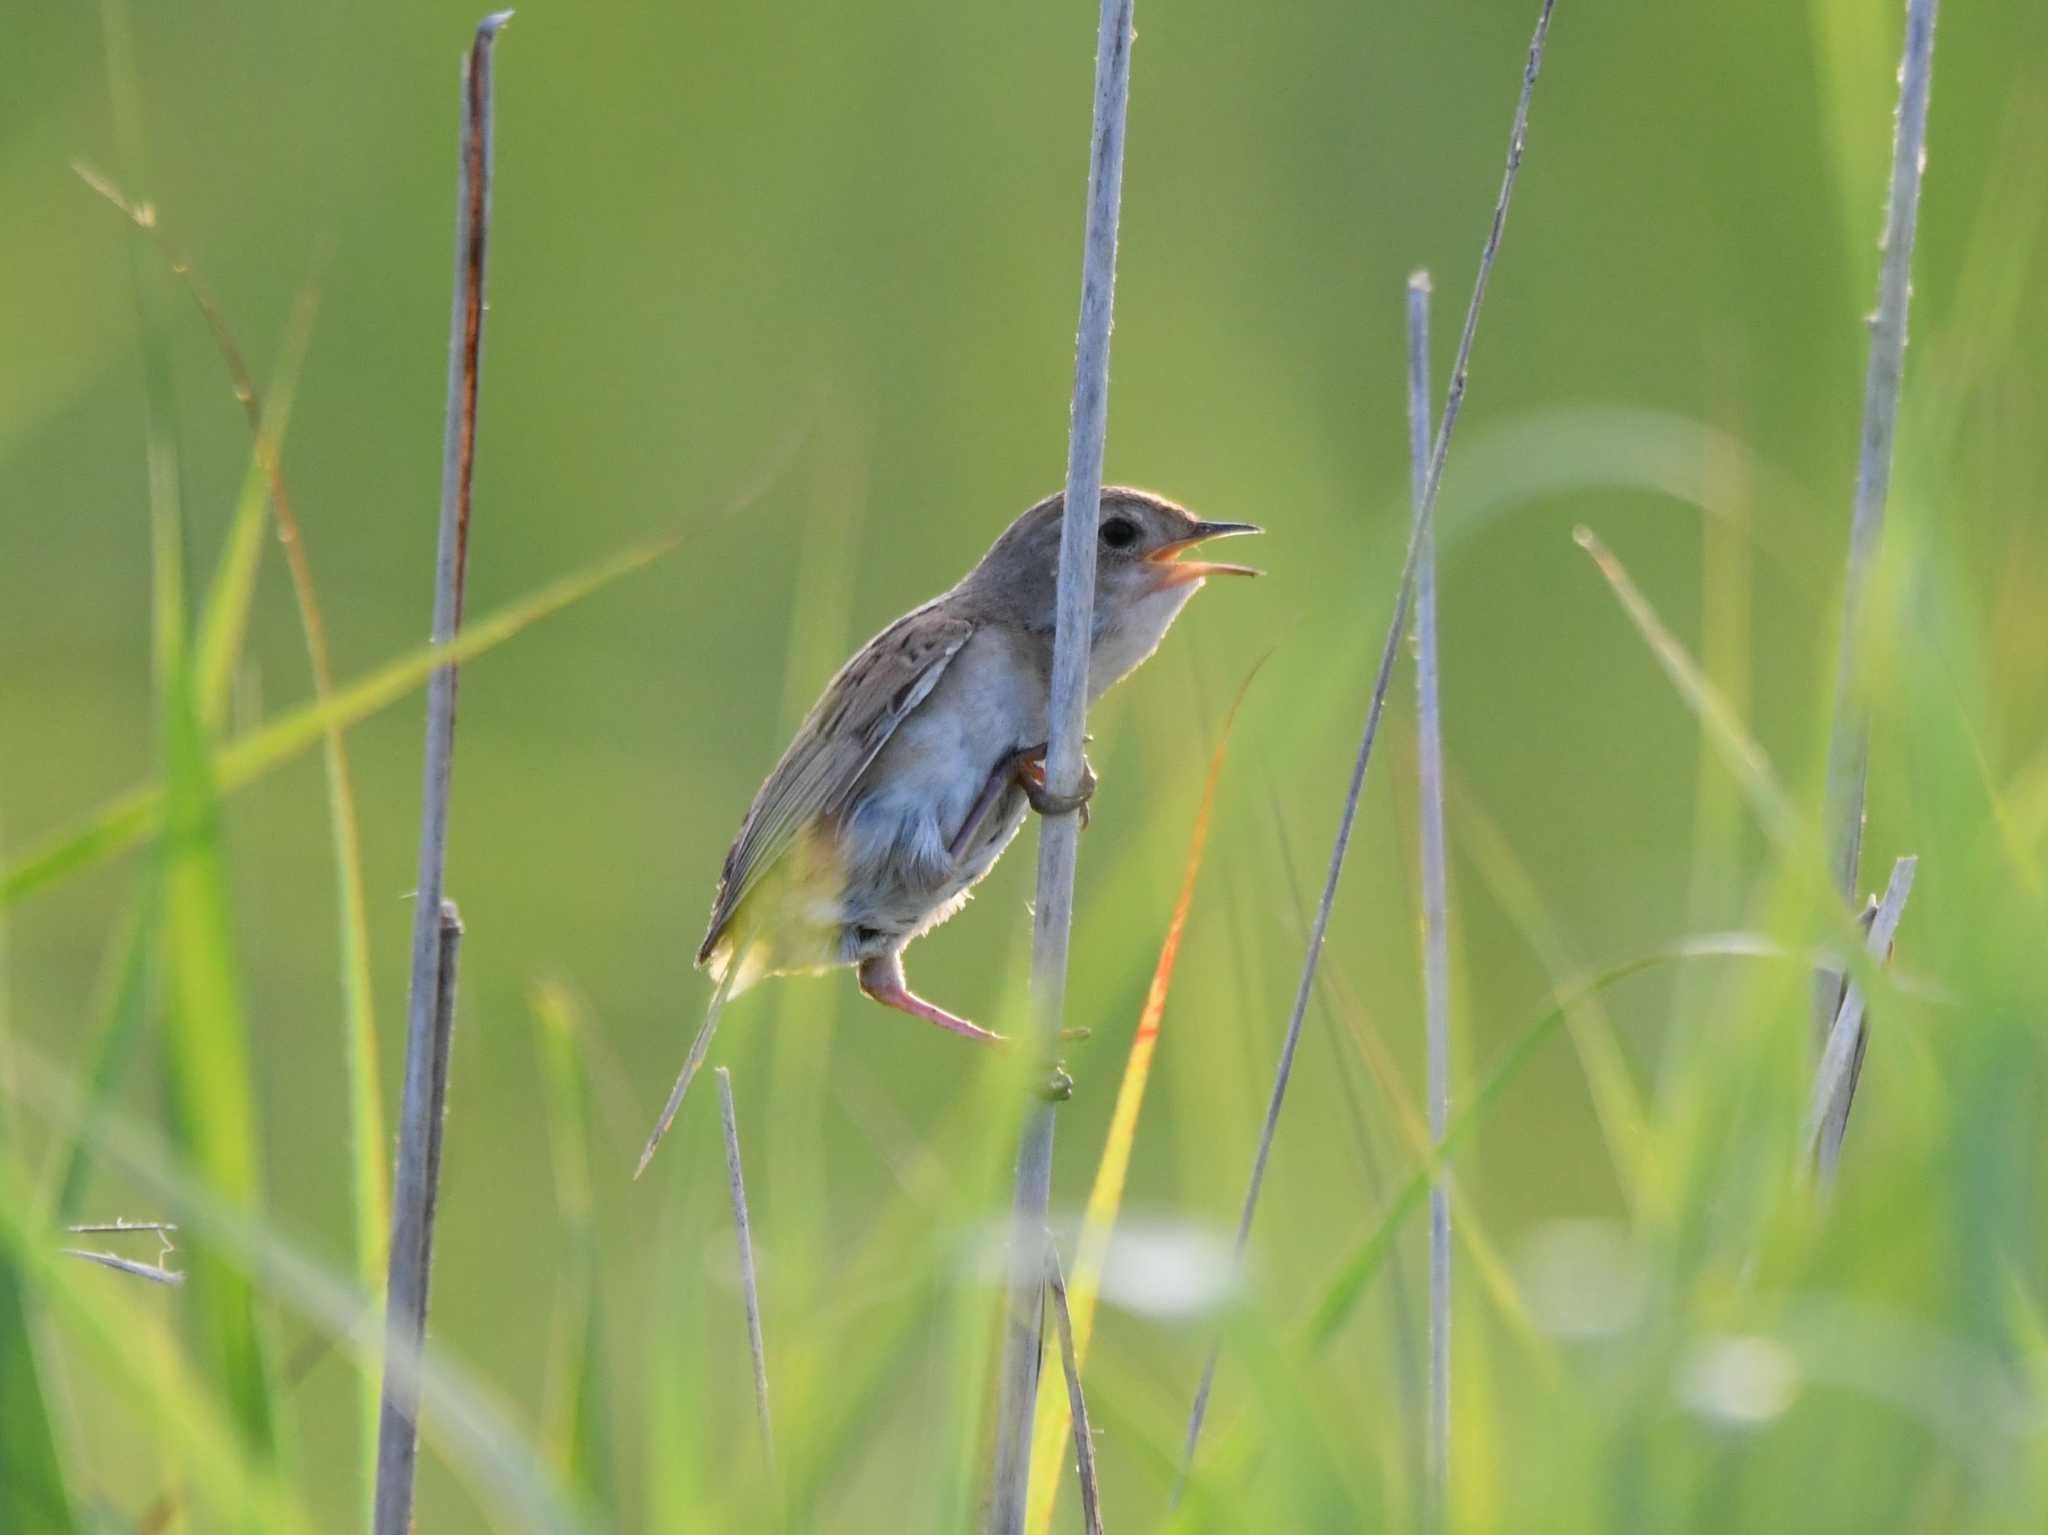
[
  {"x": 901, "y": 876},
  {"x": 897, "y": 834}
]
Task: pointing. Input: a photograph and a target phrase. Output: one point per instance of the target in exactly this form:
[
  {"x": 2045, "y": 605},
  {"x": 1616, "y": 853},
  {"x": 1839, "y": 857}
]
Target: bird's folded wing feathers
[{"x": 860, "y": 710}]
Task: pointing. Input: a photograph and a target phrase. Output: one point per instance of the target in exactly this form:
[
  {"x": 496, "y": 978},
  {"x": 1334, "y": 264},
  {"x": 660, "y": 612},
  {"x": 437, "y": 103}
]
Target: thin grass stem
[
  {"x": 154, "y": 1273},
  {"x": 1077, "y": 1407},
  {"x": 1436, "y": 943},
  {"x": 437, "y": 928},
  {"x": 749, "y": 1287},
  {"x": 1419, "y": 526},
  {"x": 1849, "y": 740},
  {"x": 1835, "y": 1081},
  {"x": 412, "y": 1247},
  {"x": 1017, "y": 1384}
]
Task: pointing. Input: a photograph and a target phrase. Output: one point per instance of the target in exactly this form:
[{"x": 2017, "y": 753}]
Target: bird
[{"x": 918, "y": 764}]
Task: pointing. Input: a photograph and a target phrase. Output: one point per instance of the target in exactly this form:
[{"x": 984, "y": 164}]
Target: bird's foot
[
  {"x": 882, "y": 979},
  {"x": 1028, "y": 768}
]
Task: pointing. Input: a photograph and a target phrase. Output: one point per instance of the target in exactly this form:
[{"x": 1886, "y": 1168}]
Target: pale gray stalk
[
  {"x": 160, "y": 1271},
  {"x": 1388, "y": 653},
  {"x": 153, "y": 1272},
  {"x": 1835, "y": 1082},
  {"x": 1436, "y": 941},
  {"x": 413, "y": 1209},
  {"x": 436, "y": 927},
  {"x": 1849, "y": 742},
  {"x": 1017, "y": 1384},
  {"x": 1077, "y": 1408},
  {"x": 162, "y": 1231},
  {"x": 749, "y": 1288}
]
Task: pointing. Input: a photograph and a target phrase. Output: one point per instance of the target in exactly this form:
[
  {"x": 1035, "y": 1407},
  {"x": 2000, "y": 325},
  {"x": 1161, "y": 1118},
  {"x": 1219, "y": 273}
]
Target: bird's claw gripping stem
[{"x": 1029, "y": 770}]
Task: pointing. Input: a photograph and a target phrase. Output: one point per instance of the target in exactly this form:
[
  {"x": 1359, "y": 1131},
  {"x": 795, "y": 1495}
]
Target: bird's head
[{"x": 1141, "y": 577}]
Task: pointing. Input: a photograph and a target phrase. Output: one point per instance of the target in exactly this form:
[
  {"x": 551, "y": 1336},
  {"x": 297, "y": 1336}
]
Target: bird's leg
[
  {"x": 984, "y": 805},
  {"x": 882, "y": 979},
  {"x": 1027, "y": 770}
]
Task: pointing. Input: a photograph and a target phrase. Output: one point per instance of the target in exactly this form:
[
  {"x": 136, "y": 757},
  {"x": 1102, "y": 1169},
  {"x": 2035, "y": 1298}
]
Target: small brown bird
[{"x": 913, "y": 772}]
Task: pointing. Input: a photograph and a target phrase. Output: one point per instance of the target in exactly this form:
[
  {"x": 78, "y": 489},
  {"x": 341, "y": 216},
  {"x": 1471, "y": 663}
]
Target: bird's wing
[{"x": 861, "y": 708}]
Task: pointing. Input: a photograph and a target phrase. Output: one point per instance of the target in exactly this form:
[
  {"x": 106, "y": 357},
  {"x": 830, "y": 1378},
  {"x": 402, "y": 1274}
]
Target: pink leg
[
  {"x": 882, "y": 979},
  {"x": 991, "y": 792}
]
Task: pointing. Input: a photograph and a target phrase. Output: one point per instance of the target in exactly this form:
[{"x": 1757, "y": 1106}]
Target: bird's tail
[{"x": 698, "y": 1048}]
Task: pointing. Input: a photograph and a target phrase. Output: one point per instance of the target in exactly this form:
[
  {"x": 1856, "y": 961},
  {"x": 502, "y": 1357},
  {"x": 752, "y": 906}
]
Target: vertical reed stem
[
  {"x": 1849, "y": 741},
  {"x": 436, "y": 928},
  {"x": 1436, "y": 943},
  {"x": 1018, "y": 1382},
  {"x": 412, "y": 1247}
]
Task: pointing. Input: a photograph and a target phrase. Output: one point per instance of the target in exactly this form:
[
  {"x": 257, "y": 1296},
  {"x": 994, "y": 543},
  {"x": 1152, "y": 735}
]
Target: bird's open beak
[{"x": 1175, "y": 571}]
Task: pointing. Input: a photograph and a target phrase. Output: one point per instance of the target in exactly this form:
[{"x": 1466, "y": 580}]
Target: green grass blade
[
  {"x": 122, "y": 1011},
  {"x": 132, "y": 817},
  {"x": 33, "y": 1497},
  {"x": 369, "y": 1152},
  {"x": 498, "y": 1462},
  {"x": 1624, "y": 1128},
  {"x": 114, "y": 1324},
  {"x": 1738, "y": 749},
  {"x": 212, "y": 1099},
  {"x": 224, "y": 619},
  {"x": 1372, "y": 1252},
  {"x": 578, "y": 1416}
]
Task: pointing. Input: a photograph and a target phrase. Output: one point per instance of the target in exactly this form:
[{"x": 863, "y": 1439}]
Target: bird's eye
[{"x": 1119, "y": 532}]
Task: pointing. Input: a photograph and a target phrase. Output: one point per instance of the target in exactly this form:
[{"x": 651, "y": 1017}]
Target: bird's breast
[{"x": 920, "y": 789}]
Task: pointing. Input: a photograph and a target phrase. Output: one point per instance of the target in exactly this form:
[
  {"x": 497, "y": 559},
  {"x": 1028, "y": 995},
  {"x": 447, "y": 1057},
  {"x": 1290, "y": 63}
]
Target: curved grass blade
[
  {"x": 1414, "y": 1134},
  {"x": 122, "y": 1010},
  {"x": 224, "y": 620},
  {"x": 1793, "y": 837},
  {"x": 1624, "y": 1127},
  {"x": 1746, "y": 759},
  {"x": 504, "y": 1469},
  {"x": 133, "y": 817},
  {"x": 1372, "y": 1251},
  {"x": 1050, "y": 1439}
]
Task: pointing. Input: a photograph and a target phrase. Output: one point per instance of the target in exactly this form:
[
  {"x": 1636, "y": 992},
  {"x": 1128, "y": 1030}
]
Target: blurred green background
[{"x": 833, "y": 250}]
